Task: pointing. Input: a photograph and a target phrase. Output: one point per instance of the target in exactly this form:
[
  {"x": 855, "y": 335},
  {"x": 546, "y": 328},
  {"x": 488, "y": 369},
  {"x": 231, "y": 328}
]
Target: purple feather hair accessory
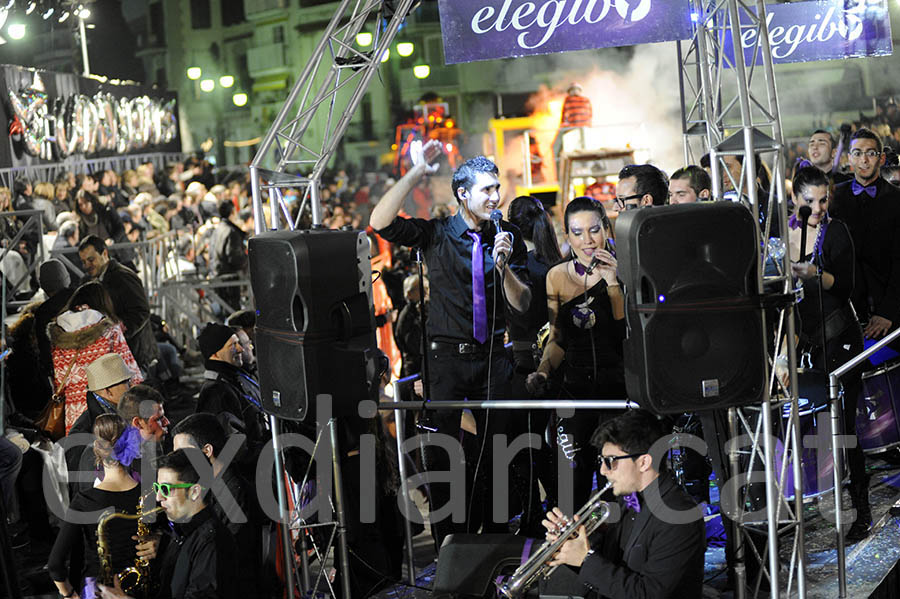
[{"x": 127, "y": 446}]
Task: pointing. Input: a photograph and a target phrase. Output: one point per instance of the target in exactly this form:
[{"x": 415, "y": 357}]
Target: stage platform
[{"x": 871, "y": 564}]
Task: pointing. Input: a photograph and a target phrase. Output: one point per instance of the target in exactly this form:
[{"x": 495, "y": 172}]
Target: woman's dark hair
[
  {"x": 107, "y": 430},
  {"x": 810, "y": 176},
  {"x": 586, "y": 204},
  {"x": 528, "y": 214},
  {"x": 95, "y": 203},
  {"x": 95, "y": 297}
]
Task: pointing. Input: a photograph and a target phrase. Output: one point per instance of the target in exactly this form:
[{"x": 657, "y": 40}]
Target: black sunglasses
[
  {"x": 610, "y": 460},
  {"x": 620, "y": 202}
]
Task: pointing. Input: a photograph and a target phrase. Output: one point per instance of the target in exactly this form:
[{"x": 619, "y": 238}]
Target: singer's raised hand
[{"x": 426, "y": 154}]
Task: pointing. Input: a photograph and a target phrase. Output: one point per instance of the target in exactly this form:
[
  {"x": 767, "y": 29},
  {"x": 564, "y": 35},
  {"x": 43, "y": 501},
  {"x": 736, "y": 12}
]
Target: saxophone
[
  {"x": 134, "y": 580},
  {"x": 592, "y": 514}
]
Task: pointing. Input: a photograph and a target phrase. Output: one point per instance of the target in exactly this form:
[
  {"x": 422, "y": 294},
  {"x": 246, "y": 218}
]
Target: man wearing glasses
[
  {"x": 870, "y": 206},
  {"x": 199, "y": 557},
  {"x": 656, "y": 540},
  {"x": 641, "y": 185}
]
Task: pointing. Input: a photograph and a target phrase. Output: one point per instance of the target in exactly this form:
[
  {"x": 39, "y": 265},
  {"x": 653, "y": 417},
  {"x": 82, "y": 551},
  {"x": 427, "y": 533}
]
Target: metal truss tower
[
  {"x": 728, "y": 112},
  {"x": 294, "y": 153}
]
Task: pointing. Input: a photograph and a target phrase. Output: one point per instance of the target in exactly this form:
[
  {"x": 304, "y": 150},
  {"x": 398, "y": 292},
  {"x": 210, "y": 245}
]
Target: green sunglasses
[{"x": 165, "y": 489}]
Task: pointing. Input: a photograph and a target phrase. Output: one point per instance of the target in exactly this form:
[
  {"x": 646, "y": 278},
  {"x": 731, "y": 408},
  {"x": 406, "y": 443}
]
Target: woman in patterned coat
[{"x": 86, "y": 330}]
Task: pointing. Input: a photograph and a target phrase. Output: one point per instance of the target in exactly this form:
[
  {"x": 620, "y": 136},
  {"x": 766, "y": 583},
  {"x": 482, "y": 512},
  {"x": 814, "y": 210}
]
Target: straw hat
[{"x": 106, "y": 371}]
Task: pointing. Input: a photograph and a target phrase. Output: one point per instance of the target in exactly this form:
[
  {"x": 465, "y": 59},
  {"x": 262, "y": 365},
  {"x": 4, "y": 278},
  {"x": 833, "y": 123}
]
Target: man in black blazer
[
  {"x": 870, "y": 206},
  {"x": 656, "y": 543}
]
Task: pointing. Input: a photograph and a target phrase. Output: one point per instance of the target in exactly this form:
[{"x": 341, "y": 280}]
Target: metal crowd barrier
[
  {"x": 49, "y": 172},
  {"x": 33, "y": 222}
]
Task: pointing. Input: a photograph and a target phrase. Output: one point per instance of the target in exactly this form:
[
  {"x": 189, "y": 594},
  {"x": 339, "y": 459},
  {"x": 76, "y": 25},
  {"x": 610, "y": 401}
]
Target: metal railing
[
  {"x": 49, "y": 172},
  {"x": 33, "y": 223}
]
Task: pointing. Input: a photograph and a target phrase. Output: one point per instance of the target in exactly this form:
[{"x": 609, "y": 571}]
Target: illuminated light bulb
[
  {"x": 207, "y": 85},
  {"x": 16, "y": 31},
  {"x": 405, "y": 49},
  {"x": 30, "y": 8},
  {"x": 239, "y": 99},
  {"x": 386, "y": 55},
  {"x": 421, "y": 71},
  {"x": 364, "y": 38},
  {"x": 64, "y": 16},
  {"x": 226, "y": 80},
  {"x": 194, "y": 73}
]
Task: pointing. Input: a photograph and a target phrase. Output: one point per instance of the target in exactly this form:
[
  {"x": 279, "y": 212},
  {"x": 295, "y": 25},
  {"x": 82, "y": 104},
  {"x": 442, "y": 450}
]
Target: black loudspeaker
[
  {"x": 469, "y": 564},
  {"x": 695, "y": 336},
  {"x": 315, "y": 326}
]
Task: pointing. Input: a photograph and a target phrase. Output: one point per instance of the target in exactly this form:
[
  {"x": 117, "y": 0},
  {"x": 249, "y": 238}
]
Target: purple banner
[
  {"x": 820, "y": 30},
  {"x": 488, "y": 29}
]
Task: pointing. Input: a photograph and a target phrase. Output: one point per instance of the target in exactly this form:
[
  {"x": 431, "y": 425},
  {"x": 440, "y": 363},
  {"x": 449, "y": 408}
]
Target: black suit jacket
[
  {"x": 874, "y": 224},
  {"x": 657, "y": 555}
]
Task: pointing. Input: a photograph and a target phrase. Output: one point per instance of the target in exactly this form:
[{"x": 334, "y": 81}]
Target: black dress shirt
[
  {"x": 874, "y": 224},
  {"x": 199, "y": 561},
  {"x": 643, "y": 557},
  {"x": 448, "y": 253}
]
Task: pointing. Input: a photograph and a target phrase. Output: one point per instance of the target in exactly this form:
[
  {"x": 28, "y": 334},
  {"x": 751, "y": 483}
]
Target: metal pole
[
  {"x": 513, "y": 404},
  {"x": 282, "y": 508},
  {"x": 399, "y": 426},
  {"x": 339, "y": 510},
  {"x": 84, "y": 52},
  {"x": 835, "y": 409},
  {"x": 740, "y": 568},
  {"x": 837, "y": 454}
]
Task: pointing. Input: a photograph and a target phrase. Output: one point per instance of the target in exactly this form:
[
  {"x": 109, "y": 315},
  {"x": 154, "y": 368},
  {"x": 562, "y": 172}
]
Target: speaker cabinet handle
[{"x": 346, "y": 322}]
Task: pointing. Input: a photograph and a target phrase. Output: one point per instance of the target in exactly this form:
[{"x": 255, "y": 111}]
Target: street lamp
[
  {"x": 16, "y": 31},
  {"x": 82, "y": 13},
  {"x": 226, "y": 80},
  {"x": 207, "y": 85}
]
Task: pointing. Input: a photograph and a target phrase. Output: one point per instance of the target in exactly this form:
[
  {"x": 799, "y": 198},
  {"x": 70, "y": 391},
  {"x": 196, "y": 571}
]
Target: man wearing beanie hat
[
  {"x": 54, "y": 279},
  {"x": 229, "y": 392}
]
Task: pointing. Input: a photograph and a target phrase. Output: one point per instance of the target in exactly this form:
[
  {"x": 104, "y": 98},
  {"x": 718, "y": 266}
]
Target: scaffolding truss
[
  {"x": 295, "y": 151},
  {"x": 732, "y": 116}
]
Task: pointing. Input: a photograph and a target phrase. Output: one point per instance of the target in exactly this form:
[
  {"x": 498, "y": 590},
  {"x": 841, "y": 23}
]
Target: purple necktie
[
  {"x": 632, "y": 502},
  {"x": 479, "y": 305},
  {"x": 857, "y": 188}
]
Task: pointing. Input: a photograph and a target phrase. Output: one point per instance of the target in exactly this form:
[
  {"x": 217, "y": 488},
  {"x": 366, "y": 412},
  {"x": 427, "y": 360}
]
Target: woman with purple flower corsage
[{"x": 116, "y": 446}]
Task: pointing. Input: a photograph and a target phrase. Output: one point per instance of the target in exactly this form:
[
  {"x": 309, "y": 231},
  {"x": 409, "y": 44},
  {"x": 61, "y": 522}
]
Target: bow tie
[
  {"x": 632, "y": 502},
  {"x": 857, "y": 188}
]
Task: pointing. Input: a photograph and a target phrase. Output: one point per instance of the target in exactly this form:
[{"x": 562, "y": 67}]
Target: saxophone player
[
  {"x": 199, "y": 558},
  {"x": 655, "y": 548}
]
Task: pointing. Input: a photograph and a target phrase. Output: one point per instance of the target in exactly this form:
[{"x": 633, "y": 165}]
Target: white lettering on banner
[
  {"x": 785, "y": 42},
  {"x": 547, "y": 16}
]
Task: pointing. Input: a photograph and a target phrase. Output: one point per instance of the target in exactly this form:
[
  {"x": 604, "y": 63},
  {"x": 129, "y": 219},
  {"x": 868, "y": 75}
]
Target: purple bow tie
[
  {"x": 857, "y": 188},
  {"x": 632, "y": 502}
]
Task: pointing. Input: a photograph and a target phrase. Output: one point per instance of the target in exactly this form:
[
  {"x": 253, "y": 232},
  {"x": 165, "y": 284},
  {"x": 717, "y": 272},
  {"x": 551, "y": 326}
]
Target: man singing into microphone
[{"x": 475, "y": 273}]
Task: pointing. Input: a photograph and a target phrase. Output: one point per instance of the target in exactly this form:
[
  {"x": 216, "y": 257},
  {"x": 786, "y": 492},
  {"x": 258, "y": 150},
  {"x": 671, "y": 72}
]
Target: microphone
[
  {"x": 595, "y": 262},
  {"x": 496, "y": 215},
  {"x": 805, "y": 212}
]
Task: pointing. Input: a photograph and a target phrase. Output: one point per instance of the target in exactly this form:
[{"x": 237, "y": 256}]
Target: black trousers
[{"x": 473, "y": 377}]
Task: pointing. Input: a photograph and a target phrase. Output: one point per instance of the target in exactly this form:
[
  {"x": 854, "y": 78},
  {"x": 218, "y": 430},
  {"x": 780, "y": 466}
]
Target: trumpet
[
  {"x": 134, "y": 580},
  {"x": 591, "y": 515}
]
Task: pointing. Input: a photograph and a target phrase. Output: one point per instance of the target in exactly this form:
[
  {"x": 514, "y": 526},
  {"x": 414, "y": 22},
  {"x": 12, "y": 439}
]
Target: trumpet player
[{"x": 655, "y": 548}]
